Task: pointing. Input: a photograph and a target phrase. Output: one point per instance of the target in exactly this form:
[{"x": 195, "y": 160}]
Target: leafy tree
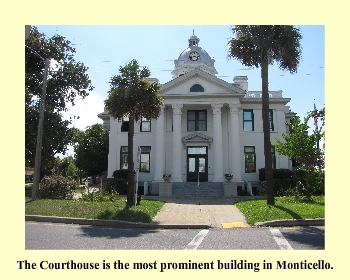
[
  {"x": 259, "y": 46},
  {"x": 67, "y": 80},
  {"x": 66, "y": 167},
  {"x": 91, "y": 150},
  {"x": 302, "y": 146},
  {"x": 132, "y": 95},
  {"x": 72, "y": 170},
  {"x": 62, "y": 165}
]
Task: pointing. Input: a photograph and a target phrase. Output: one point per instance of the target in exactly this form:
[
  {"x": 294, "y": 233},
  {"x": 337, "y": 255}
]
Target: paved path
[{"x": 215, "y": 212}]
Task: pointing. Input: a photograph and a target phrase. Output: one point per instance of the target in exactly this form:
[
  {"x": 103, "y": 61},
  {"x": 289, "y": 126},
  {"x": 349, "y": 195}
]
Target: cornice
[{"x": 271, "y": 100}]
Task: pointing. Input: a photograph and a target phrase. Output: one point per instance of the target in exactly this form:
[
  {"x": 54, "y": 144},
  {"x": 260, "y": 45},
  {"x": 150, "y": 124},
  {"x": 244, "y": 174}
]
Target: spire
[{"x": 193, "y": 41}]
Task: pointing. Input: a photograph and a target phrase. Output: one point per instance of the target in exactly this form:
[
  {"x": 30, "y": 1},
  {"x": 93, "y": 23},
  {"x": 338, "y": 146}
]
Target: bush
[
  {"x": 315, "y": 181},
  {"x": 282, "y": 187},
  {"x": 282, "y": 173},
  {"x": 118, "y": 185},
  {"x": 57, "y": 187},
  {"x": 296, "y": 182},
  {"x": 121, "y": 174},
  {"x": 119, "y": 182}
]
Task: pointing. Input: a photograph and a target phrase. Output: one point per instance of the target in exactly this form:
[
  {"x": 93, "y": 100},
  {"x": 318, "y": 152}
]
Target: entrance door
[{"x": 197, "y": 164}]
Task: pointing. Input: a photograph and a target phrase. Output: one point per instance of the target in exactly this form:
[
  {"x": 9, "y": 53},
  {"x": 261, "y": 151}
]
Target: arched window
[{"x": 196, "y": 88}]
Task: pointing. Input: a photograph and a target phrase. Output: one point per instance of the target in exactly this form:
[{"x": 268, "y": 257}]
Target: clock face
[{"x": 194, "y": 56}]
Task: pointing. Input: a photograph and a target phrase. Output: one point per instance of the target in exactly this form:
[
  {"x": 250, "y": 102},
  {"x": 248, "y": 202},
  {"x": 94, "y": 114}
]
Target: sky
[{"x": 103, "y": 49}]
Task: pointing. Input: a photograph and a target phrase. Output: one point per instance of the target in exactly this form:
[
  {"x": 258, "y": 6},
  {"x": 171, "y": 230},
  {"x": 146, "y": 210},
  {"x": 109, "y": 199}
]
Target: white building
[{"x": 207, "y": 128}]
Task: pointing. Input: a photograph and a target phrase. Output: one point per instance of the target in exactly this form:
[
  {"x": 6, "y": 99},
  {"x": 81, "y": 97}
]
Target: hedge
[{"x": 288, "y": 181}]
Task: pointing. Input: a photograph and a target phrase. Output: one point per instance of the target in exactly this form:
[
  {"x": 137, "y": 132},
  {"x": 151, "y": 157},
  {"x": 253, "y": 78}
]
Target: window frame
[
  {"x": 149, "y": 158},
  {"x": 125, "y": 125},
  {"x": 123, "y": 163},
  {"x": 248, "y": 121},
  {"x": 197, "y": 88},
  {"x": 273, "y": 154},
  {"x": 247, "y": 153},
  {"x": 144, "y": 120},
  {"x": 197, "y": 120},
  {"x": 272, "y": 128}
]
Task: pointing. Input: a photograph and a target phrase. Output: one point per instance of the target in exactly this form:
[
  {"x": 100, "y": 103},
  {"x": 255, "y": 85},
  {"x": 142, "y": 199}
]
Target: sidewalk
[{"x": 207, "y": 212}]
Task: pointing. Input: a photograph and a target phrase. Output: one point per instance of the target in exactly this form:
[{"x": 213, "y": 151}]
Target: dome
[{"x": 193, "y": 57}]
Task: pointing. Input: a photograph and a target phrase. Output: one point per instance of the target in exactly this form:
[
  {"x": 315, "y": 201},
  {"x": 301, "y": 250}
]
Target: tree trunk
[
  {"x": 131, "y": 187},
  {"x": 266, "y": 130}
]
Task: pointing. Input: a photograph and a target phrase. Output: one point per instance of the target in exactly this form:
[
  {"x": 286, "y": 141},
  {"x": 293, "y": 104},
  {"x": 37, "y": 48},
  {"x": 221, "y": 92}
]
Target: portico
[{"x": 205, "y": 135}]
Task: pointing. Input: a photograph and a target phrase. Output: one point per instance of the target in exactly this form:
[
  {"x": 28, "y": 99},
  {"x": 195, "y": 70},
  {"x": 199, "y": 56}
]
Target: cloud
[{"x": 87, "y": 110}]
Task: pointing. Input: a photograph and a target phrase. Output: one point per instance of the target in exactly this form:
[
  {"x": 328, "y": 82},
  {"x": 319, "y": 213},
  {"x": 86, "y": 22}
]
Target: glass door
[{"x": 197, "y": 167}]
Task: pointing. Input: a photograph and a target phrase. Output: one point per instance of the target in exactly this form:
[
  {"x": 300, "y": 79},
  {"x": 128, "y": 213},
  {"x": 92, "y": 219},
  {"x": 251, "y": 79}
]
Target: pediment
[
  {"x": 195, "y": 138},
  {"x": 211, "y": 84}
]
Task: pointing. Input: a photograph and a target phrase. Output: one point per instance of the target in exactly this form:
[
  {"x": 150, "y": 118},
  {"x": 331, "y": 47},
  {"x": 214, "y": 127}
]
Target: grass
[
  {"x": 254, "y": 210},
  {"x": 284, "y": 208},
  {"x": 145, "y": 212}
]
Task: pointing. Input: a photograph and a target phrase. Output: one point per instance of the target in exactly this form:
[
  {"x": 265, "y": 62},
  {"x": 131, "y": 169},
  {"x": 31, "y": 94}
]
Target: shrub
[
  {"x": 121, "y": 174},
  {"x": 118, "y": 185},
  {"x": 283, "y": 186},
  {"x": 57, "y": 187},
  {"x": 314, "y": 180},
  {"x": 119, "y": 182},
  {"x": 282, "y": 173},
  {"x": 296, "y": 182}
]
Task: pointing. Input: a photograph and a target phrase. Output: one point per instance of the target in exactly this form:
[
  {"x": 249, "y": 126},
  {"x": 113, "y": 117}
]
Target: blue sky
[{"x": 105, "y": 48}]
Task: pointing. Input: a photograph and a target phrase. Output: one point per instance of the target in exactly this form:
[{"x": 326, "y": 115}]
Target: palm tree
[
  {"x": 259, "y": 46},
  {"x": 132, "y": 95}
]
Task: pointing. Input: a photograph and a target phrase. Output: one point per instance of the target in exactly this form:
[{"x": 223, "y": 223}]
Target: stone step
[{"x": 191, "y": 189}]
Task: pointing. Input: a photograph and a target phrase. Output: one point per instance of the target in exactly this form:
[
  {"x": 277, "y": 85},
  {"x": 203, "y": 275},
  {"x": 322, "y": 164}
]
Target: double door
[{"x": 197, "y": 164}]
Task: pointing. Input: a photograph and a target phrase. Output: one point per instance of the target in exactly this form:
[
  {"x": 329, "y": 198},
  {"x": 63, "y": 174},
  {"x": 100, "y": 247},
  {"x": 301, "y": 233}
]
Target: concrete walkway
[{"x": 214, "y": 212}]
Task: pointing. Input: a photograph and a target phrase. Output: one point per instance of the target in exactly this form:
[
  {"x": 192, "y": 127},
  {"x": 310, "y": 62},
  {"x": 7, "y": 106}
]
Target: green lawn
[
  {"x": 285, "y": 208},
  {"x": 255, "y": 210},
  {"x": 145, "y": 212}
]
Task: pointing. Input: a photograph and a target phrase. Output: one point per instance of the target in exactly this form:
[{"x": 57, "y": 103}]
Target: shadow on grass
[
  {"x": 290, "y": 212},
  {"x": 29, "y": 200},
  {"x": 126, "y": 214}
]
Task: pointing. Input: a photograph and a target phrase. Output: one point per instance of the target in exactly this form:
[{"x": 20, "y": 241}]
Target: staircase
[{"x": 191, "y": 189}]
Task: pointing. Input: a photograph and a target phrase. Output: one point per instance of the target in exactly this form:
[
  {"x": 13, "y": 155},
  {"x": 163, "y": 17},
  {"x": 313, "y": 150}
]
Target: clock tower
[{"x": 193, "y": 57}]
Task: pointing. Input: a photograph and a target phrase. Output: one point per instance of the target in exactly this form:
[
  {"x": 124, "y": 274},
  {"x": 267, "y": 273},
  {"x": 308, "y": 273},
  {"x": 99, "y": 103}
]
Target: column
[
  {"x": 159, "y": 147},
  {"x": 176, "y": 175},
  {"x": 235, "y": 151},
  {"x": 217, "y": 143}
]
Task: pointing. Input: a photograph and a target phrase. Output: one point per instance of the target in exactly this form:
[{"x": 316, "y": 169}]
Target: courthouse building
[{"x": 207, "y": 128}]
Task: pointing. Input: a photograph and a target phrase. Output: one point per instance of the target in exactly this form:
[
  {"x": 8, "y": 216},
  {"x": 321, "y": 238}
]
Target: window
[
  {"x": 197, "y": 120},
  {"x": 124, "y": 157},
  {"x": 271, "y": 120},
  {"x": 196, "y": 88},
  {"x": 249, "y": 156},
  {"x": 145, "y": 159},
  {"x": 125, "y": 125},
  {"x": 273, "y": 154},
  {"x": 145, "y": 125},
  {"x": 248, "y": 120}
]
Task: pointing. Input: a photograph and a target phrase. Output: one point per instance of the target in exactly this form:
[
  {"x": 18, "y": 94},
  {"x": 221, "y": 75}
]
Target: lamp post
[{"x": 36, "y": 178}]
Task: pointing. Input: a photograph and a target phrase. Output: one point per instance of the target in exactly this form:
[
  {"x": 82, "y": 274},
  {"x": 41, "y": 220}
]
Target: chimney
[{"x": 241, "y": 81}]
